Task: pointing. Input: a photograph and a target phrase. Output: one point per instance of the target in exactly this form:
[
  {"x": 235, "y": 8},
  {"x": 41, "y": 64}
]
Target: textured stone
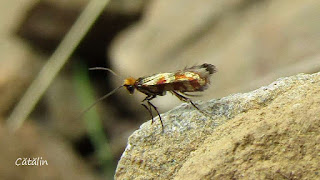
[{"x": 270, "y": 133}]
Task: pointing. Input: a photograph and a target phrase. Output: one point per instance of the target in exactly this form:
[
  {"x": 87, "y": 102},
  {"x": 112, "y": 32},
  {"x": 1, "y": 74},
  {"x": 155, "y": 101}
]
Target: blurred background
[{"x": 252, "y": 43}]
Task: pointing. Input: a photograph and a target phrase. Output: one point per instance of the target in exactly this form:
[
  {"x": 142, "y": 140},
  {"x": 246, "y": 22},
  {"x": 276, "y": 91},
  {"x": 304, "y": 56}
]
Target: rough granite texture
[{"x": 270, "y": 133}]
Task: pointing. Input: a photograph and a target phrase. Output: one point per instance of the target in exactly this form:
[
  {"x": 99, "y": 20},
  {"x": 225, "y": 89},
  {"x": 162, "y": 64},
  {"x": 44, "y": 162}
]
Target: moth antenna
[
  {"x": 106, "y": 69},
  {"x": 100, "y": 99}
]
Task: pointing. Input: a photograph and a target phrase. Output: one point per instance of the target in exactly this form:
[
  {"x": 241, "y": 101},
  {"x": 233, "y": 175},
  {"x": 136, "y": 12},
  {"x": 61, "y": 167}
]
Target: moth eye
[{"x": 130, "y": 88}]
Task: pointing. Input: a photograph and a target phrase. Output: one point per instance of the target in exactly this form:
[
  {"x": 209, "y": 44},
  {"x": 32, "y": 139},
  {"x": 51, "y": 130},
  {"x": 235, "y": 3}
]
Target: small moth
[{"x": 193, "y": 79}]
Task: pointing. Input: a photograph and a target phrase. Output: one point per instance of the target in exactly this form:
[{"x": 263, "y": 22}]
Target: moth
[{"x": 179, "y": 83}]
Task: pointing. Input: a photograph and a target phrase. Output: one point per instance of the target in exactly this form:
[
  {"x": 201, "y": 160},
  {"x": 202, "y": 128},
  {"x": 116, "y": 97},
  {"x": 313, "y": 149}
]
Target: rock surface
[{"x": 270, "y": 133}]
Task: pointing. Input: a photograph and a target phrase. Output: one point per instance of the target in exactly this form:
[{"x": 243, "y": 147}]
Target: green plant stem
[{"x": 92, "y": 121}]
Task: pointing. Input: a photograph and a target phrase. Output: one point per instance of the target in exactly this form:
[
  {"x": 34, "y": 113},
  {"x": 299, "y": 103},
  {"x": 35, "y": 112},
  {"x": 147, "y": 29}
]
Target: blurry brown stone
[
  {"x": 31, "y": 142},
  {"x": 246, "y": 40},
  {"x": 47, "y": 22},
  {"x": 18, "y": 66},
  {"x": 18, "y": 62}
]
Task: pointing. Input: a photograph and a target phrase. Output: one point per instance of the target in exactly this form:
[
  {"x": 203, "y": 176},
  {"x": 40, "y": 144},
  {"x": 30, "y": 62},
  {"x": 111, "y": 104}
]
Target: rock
[
  {"x": 18, "y": 62},
  {"x": 18, "y": 67},
  {"x": 270, "y": 133}
]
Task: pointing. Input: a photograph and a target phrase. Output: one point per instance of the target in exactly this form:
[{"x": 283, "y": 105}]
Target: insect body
[{"x": 191, "y": 79}]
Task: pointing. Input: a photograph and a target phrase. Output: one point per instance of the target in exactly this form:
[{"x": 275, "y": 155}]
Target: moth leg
[
  {"x": 149, "y": 110},
  {"x": 155, "y": 108},
  {"x": 148, "y": 98},
  {"x": 191, "y": 95},
  {"x": 185, "y": 99}
]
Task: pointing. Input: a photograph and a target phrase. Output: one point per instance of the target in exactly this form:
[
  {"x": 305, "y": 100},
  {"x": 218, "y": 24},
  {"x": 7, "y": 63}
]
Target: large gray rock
[{"x": 270, "y": 133}]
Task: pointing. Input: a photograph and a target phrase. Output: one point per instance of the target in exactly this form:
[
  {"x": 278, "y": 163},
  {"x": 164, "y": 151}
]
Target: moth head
[{"x": 129, "y": 84}]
